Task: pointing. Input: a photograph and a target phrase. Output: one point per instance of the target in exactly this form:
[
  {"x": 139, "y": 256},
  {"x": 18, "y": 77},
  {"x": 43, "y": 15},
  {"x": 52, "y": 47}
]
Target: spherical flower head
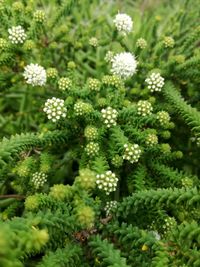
[
  {"x": 64, "y": 84},
  {"x": 109, "y": 116},
  {"x": 113, "y": 80},
  {"x": 109, "y": 56},
  {"x": 132, "y": 152},
  {"x": 94, "y": 84},
  {"x": 168, "y": 42},
  {"x": 91, "y": 133},
  {"x": 92, "y": 149},
  {"x": 18, "y": 6},
  {"x": 124, "y": 65},
  {"x": 151, "y": 140},
  {"x": 141, "y": 43},
  {"x": 144, "y": 108},
  {"x": 61, "y": 192},
  {"x": 107, "y": 182},
  {"x": 163, "y": 118},
  {"x": 169, "y": 223},
  {"x": 39, "y": 16},
  {"x": 31, "y": 203},
  {"x": 82, "y": 108},
  {"x": 71, "y": 65},
  {"x": 52, "y": 73},
  {"x": 117, "y": 161},
  {"x": 55, "y": 109},
  {"x": 187, "y": 182},
  {"x": 17, "y": 35},
  {"x": 85, "y": 216},
  {"x": 35, "y": 75},
  {"x": 123, "y": 23},
  {"x": 93, "y": 42},
  {"x": 38, "y": 179},
  {"x": 101, "y": 101},
  {"x": 110, "y": 206},
  {"x": 29, "y": 45},
  {"x": 155, "y": 82},
  {"x": 86, "y": 179},
  {"x": 3, "y": 44}
]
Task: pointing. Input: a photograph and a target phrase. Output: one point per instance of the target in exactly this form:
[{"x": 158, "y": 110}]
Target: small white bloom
[
  {"x": 54, "y": 108},
  {"x": 123, "y": 23},
  {"x": 107, "y": 182},
  {"x": 17, "y": 35},
  {"x": 124, "y": 65},
  {"x": 35, "y": 75},
  {"x": 38, "y": 179},
  {"x": 155, "y": 82},
  {"x": 109, "y": 116}
]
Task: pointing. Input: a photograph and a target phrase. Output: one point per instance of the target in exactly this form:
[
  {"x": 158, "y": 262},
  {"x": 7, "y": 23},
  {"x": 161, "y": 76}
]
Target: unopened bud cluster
[
  {"x": 109, "y": 116},
  {"x": 132, "y": 152},
  {"x": 91, "y": 133},
  {"x": 109, "y": 56},
  {"x": 187, "y": 182},
  {"x": 110, "y": 206},
  {"x": 168, "y": 41},
  {"x": 85, "y": 216},
  {"x": 93, "y": 42},
  {"x": 39, "y": 16},
  {"x": 169, "y": 223},
  {"x": 155, "y": 82},
  {"x": 107, "y": 182},
  {"x": 86, "y": 179},
  {"x": 94, "y": 84},
  {"x": 52, "y": 73},
  {"x": 55, "y": 109},
  {"x": 64, "y": 84},
  {"x": 38, "y": 179},
  {"x": 82, "y": 108},
  {"x": 17, "y": 35},
  {"x": 112, "y": 80},
  {"x": 92, "y": 149},
  {"x": 151, "y": 140},
  {"x": 117, "y": 161},
  {"x": 144, "y": 108},
  {"x": 163, "y": 118},
  {"x": 141, "y": 43},
  {"x": 3, "y": 44},
  {"x": 29, "y": 45}
]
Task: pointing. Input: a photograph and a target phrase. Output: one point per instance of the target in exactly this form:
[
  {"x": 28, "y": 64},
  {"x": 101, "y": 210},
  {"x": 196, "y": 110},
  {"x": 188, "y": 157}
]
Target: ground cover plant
[{"x": 100, "y": 133}]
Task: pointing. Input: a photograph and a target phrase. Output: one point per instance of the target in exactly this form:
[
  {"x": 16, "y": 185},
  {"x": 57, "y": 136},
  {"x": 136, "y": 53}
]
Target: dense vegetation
[{"x": 100, "y": 133}]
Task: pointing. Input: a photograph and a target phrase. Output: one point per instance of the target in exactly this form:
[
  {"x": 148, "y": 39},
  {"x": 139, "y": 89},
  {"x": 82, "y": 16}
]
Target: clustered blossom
[
  {"x": 151, "y": 140},
  {"x": 94, "y": 84},
  {"x": 107, "y": 182},
  {"x": 124, "y": 65},
  {"x": 3, "y": 44},
  {"x": 92, "y": 149},
  {"x": 38, "y": 179},
  {"x": 110, "y": 206},
  {"x": 144, "y": 108},
  {"x": 82, "y": 108},
  {"x": 117, "y": 161},
  {"x": 170, "y": 222},
  {"x": 93, "y": 41},
  {"x": 163, "y": 118},
  {"x": 110, "y": 116},
  {"x": 39, "y": 16},
  {"x": 123, "y": 23},
  {"x": 168, "y": 41},
  {"x": 17, "y": 35},
  {"x": 86, "y": 179},
  {"x": 91, "y": 133},
  {"x": 55, "y": 109},
  {"x": 155, "y": 82},
  {"x": 132, "y": 152},
  {"x": 52, "y": 73},
  {"x": 64, "y": 83},
  {"x": 141, "y": 43},
  {"x": 109, "y": 56},
  {"x": 35, "y": 75},
  {"x": 29, "y": 45},
  {"x": 112, "y": 80},
  {"x": 187, "y": 182}
]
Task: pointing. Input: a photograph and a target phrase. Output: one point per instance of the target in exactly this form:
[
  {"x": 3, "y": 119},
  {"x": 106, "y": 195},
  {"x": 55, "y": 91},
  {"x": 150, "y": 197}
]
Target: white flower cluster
[
  {"x": 144, "y": 108},
  {"x": 54, "y": 108},
  {"x": 155, "y": 82},
  {"x": 109, "y": 56},
  {"x": 168, "y": 42},
  {"x": 110, "y": 205},
  {"x": 123, "y": 23},
  {"x": 151, "y": 140},
  {"x": 110, "y": 116},
  {"x": 91, "y": 133},
  {"x": 17, "y": 35},
  {"x": 163, "y": 118},
  {"x": 93, "y": 41},
  {"x": 107, "y": 182},
  {"x": 124, "y": 65},
  {"x": 39, "y": 179},
  {"x": 92, "y": 149},
  {"x": 64, "y": 83},
  {"x": 141, "y": 43},
  {"x": 170, "y": 222},
  {"x": 132, "y": 152},
  {"x": 35, "y": 75}
]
